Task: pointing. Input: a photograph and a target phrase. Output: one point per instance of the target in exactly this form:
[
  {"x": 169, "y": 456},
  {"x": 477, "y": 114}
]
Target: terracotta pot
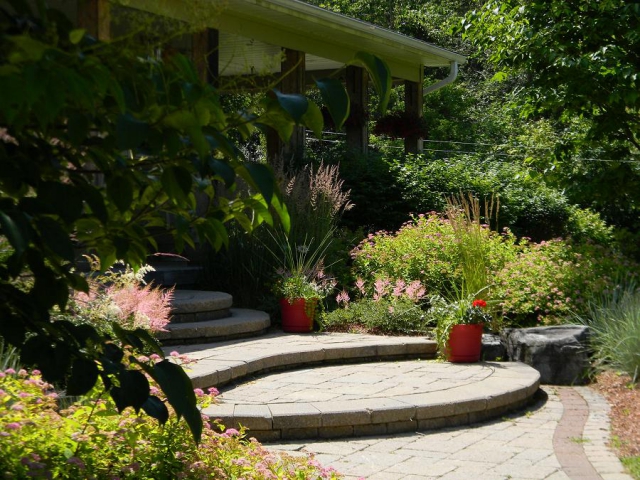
[
  {"x": 465, "y": 343},
  {"x": 295, "y": 317}
]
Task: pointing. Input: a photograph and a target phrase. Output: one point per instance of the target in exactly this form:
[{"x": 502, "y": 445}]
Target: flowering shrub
[
  {"x": 426, "y": 249},
  {"x": 121, "y": 296},
  {"x": 390, "y": 307},
  {"x": 90, "y": 440},
  {"x": 549, "y": 281},
  {"x": 532, "y": 283}
]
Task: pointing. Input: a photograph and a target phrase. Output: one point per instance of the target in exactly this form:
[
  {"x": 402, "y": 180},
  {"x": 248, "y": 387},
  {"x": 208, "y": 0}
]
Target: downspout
[{"x": 453, "y": 74}]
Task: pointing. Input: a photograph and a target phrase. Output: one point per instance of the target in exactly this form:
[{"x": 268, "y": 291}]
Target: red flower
[{"x": 479, "y": 303}]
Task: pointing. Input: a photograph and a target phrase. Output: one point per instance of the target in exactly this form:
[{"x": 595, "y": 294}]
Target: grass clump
[{"x": 614, "y": 322}]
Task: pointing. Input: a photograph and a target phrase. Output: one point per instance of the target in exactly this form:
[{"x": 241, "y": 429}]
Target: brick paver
[{"x": 518, "y": 446}]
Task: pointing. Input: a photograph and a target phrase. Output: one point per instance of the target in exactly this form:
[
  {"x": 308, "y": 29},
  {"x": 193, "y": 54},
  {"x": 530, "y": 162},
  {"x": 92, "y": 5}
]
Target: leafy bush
[
  {"x": 91, "y": 440},
  {"x": 614, "y": 322},
  {"x": 421, "y": 183},
  {"x": 549, "y": 281},
  {"x": 426, "y": 249},
  {"x": 529, "y": 282}
]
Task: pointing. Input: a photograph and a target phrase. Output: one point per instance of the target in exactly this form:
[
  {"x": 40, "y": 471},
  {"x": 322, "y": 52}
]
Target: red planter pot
[
  {"x": 294, "y": 315},
  {"x": 465, "y": 343}
]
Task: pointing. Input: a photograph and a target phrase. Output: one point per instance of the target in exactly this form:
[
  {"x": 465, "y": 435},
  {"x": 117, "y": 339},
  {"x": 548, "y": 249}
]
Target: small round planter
[
  {"x": 465, "y": 343},
  {"x": 297, "y": 316}
]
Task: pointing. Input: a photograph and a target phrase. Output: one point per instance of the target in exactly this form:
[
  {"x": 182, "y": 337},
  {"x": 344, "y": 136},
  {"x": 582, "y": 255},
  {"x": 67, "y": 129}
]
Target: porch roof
[{"x": 329, "y": 39}]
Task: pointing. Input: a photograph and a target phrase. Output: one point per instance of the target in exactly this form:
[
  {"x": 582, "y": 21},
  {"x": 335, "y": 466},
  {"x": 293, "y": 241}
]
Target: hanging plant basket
[{"x": 401, "y": 125}]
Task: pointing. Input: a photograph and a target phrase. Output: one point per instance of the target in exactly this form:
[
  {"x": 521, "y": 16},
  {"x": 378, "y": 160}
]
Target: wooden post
[
  {"x": 206, "y": 54},
  {"x": 413, "y": 107},
  {"x": 356, "y": 125},
  {"x": 293, "y": 68},
  {"x": 94, "y": 16}
]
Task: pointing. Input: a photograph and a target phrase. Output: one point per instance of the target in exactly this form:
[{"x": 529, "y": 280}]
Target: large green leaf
[
  {"x": 295, "y": 105},
  {"x": 14, "y": 227},
  {"x": 380, "y": 75},
  {"x": 313, "y": 119},
  {"x": 154, "y": 407},
  {"x": 336, "y": 99},
  {"x": 260, "y": 176},
  {"x": 179, "y": 391},
  {"x": 55, "y": 237},
  {"x": 84, "y": 374},
  {"x": 130, "y": 132},
  {"x": 133, "y": 390},
  {"x": 177, "y": 184}
]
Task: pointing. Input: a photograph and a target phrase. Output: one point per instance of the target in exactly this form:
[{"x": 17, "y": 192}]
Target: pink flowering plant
[
  {"x": 38, "y": 439},
  {"x": 388, "y": 307},
  {"x": 121, "y": 296}
]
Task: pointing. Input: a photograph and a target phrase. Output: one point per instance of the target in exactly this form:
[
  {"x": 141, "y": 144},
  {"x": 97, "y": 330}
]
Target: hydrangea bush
[{"x": 91, "y": 440}]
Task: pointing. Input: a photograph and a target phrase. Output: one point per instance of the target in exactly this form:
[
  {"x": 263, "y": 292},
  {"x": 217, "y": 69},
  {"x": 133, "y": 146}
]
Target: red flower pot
[
  {"x": 465, "y": 343},
  {"x": 295, "y": 315}
]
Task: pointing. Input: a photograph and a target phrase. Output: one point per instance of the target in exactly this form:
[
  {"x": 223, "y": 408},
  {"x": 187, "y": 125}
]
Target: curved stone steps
[
  {"x": 270, "y": 413},
  {"x": 355, "y": 399}
]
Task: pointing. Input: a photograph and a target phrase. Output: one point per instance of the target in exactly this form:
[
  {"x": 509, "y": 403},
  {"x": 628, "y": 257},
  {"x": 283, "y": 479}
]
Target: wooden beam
[
  {"x": 95, "y": 17},
  {"x": 357, "y": 125},
  {"x": 413, "y": 107},
  {"x": 205, "y": 49},
  {"x": 293, "y": 81}
]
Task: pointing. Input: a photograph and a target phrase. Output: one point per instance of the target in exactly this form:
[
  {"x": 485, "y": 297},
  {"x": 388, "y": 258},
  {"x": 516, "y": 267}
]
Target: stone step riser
[
  {"x": 240, "y": 323},
  {"x": 189, "y": 306}
]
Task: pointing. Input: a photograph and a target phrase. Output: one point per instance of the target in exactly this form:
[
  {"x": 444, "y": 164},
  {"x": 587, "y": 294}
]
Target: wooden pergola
[{"x": 257, "y": 39}]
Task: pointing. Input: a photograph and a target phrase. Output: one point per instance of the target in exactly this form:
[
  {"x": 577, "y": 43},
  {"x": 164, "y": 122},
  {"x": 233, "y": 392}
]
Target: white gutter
[{"x": 453, "y": 73}]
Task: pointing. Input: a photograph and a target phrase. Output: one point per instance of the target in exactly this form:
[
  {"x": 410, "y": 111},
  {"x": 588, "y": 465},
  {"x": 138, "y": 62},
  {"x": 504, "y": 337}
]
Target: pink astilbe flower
[
  {"x": 380, "y": 286},
  {"x": 343, "y": 298},
  {"x": 360, "y": 285},
  {"x": 415, "y": 291},
  {"x": 398, "y": 288},
  {"x": 148, "y": 306}
]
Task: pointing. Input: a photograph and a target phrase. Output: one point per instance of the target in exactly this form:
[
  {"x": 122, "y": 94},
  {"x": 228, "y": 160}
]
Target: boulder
[
  {"x": 560, "y": 353},
  {"x": 492, "y": 348}
]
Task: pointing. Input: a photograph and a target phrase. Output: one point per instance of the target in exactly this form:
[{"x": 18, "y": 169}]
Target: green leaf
[
  {"x": 336, "y": 99},
  {"x": 177, "y": 184},
  {"x": 55, "y": 237},
  {"x": 62, "y": 199},
  {"x": 261, "y": 177},
  {"x": 154, "y": 407},
  {"x": 120, "y": 192},
  {"x": 133, "y": 390},
  {"x": 224, "y": 171},
  {"x": 130, "y": 132},
  {"x": 76, "y": 36},
  {"x": 295, "y": 105},
  {"x": 313, "y": 119},
  {"x": 84, "y": 375},
  {"x": 177, "y": 386},
  {"x": 380, "y": 75},
  {"x": 16, "y": 231},
  {"x": 499, "y": 77},
  {"x": 77, "y": 128}
]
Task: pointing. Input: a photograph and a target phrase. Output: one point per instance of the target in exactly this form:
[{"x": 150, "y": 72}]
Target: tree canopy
[{"x": 101, "y": 143}]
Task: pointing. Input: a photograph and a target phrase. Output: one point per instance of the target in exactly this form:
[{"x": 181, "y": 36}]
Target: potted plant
[
  {"x": 301, "y": 283},
  {"x": 459, "y": 330}
]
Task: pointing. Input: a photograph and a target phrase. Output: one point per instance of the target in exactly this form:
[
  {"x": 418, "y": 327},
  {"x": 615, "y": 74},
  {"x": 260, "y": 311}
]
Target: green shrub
[
  {"x": 585, "y": 225},
  {"x": 426, "y": 249},
  {"x": 547, "y": 282},
  {"x": 614, "y": 322},
  {"x": 91, "y": 440}
]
